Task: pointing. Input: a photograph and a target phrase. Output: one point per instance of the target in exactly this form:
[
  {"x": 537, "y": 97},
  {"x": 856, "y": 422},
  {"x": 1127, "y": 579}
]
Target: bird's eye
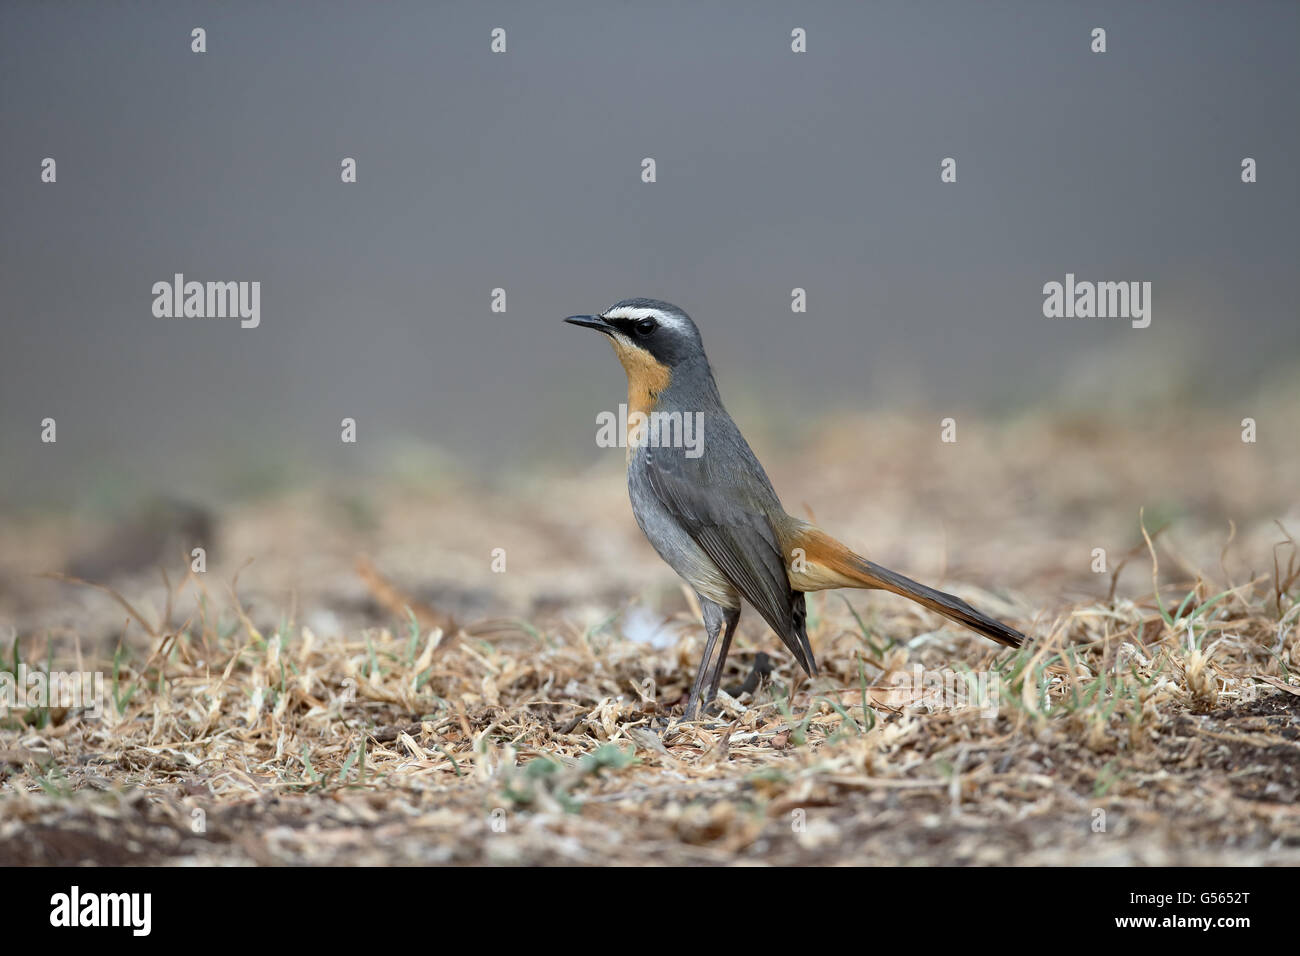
[{"x": 646, "y": 326}]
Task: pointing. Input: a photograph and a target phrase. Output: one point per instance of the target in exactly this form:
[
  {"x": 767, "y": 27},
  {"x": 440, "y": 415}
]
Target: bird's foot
[{"x": 692, "y": 709}]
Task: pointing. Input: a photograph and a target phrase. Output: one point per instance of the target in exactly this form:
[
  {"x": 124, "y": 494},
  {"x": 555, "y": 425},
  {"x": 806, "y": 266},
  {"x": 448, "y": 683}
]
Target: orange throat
[{"x": 646, "y": 379}]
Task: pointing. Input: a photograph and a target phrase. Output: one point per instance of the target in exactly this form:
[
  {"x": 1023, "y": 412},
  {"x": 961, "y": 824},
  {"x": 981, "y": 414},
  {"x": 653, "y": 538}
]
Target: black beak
[{"x": 590, "y": 322}]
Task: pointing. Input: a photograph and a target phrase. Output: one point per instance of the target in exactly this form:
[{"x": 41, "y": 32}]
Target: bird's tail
[
  {"x": 829, "y": 564},
  {"x": 954, "y": 608}
]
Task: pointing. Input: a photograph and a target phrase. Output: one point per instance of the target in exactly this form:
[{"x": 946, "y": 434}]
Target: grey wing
[{"x": 724, "y": 502}]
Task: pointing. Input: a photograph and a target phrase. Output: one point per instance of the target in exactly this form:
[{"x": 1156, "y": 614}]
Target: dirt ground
[{"x": 438, "y": 670}]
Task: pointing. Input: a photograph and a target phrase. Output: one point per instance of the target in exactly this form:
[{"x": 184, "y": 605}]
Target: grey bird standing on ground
[{"x": 710, "y": 510}]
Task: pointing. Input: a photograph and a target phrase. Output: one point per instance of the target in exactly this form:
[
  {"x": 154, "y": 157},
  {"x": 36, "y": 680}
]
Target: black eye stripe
[{"x": 632, "y": 327}]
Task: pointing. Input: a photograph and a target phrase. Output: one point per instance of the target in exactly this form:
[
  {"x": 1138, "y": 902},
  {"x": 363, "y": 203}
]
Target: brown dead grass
[{"x": 298, "y": 714}]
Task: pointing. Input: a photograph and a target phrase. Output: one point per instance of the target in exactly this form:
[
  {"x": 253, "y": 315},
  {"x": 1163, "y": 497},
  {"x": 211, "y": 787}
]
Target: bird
[{"x": 710, "y": 511}]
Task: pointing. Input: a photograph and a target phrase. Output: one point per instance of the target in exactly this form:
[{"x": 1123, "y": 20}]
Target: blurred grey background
[{"x": 522, "y": 170}]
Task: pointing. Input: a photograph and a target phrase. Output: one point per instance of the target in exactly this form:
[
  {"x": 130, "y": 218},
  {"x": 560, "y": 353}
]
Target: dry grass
[{"x": 313, "y": 710}]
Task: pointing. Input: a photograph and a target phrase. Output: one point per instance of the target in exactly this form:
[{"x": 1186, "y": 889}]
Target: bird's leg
[
  {"x": 732, "y": 617},
  {"x": 713, "y": 616}
]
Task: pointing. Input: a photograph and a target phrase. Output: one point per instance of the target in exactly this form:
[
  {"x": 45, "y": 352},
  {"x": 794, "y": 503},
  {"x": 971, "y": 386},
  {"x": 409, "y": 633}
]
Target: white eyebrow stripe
[{"x": 665, "y": 318}]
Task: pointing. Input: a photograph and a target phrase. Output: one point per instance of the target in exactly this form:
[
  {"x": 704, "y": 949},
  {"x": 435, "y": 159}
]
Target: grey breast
[{"x": 667, "y": 536}]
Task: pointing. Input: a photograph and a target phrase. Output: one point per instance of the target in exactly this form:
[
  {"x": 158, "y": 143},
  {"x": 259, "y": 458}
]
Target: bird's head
[{"x": 647, "y": 334}]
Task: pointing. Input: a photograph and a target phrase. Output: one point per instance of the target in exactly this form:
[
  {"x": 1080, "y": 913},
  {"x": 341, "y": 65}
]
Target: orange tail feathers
[{"x": 829, "y": 564}]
